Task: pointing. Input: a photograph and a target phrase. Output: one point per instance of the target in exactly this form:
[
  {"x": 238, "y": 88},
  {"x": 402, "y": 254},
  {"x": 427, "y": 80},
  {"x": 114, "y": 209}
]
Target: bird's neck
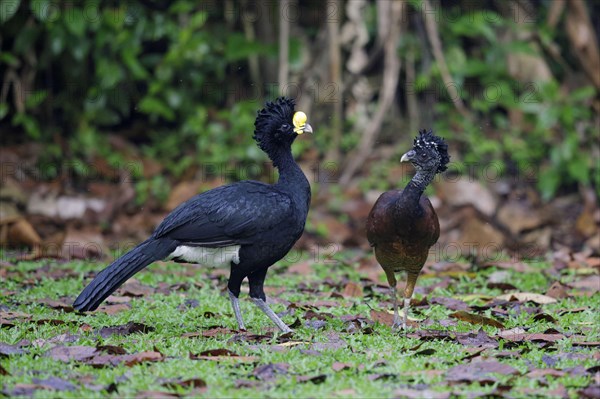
[
  {"x": 291, "y": 177},
  {"x": 411, "y": 194}
]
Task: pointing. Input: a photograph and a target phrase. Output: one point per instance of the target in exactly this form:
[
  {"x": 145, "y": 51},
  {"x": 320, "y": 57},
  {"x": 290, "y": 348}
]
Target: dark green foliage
[
  {"x": 174, "y": 78},
  {"x": 152, "y": 74},
  {"x": 553, "y": 142}
]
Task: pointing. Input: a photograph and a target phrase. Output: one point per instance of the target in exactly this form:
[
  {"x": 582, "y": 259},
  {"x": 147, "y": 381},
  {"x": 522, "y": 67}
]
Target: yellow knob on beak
[{"x": 300, "y": 125}]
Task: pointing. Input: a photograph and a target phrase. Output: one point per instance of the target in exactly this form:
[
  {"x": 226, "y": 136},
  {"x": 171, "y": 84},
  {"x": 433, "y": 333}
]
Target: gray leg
[
  {"x": 235, "y": 304},
  {"x": 269, "y": 312},
  {"x": 394, "y": 295},
  {"x": 406, "y": 305}
]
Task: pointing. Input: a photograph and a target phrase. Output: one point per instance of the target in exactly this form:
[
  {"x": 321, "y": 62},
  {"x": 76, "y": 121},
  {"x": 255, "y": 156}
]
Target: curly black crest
[
  {"x": 427, "y": 140},
  {"x": 271, "y": 122}
]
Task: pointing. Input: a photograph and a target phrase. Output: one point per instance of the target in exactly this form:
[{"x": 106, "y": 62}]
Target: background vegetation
[{"x": 509, "y": 82}]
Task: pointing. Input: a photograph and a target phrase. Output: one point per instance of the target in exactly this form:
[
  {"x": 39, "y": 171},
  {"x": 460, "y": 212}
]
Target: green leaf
[
  {"x": 35, "y": 98},
  {"x": 9, "y": 59},
  {"x": 578, "y": 169},
  {"x": 198, "y": 20},
  {"x": 155, "y": 106},
  {"x": 238, "y": 48},
  {"x": 582, "y": 94},
  {"x": 135, "y": 67},
  {"x": 76, "y": 21},
  {"x": 29, "y": 124},
  {"x": 3, "y": 110},
  {"x": 8, "y": 8},
  {"x": 549, "y": 182},
  {"x": 44, "y": 10}
]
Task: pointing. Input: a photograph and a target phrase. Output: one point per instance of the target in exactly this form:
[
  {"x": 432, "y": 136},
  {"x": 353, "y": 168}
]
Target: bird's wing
[{"x": 227, "y": 215}]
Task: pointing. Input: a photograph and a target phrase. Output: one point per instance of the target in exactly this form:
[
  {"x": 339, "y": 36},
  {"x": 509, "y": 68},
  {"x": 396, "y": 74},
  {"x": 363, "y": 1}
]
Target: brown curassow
[{"x": 403, "y": 226}]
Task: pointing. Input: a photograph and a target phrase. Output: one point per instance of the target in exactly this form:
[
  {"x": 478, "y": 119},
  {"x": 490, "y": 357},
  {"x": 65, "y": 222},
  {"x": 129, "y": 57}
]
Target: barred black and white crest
[
  {"x": 273, "y": 124},
  {"x": 426, "y": 140}
]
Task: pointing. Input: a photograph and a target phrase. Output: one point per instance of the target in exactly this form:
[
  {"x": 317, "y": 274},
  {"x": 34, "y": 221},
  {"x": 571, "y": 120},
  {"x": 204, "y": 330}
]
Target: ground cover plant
[{"x": 502, "y": 328}]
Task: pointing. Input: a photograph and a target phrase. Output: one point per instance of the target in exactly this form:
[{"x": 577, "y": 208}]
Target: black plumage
[
  {"x": 403, "y": 226},
  {"x": 249, "y": 225}
]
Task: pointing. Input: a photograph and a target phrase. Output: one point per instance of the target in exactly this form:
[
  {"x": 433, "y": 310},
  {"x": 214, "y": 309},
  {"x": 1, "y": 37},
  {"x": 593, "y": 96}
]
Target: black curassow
[
  {"x": 246, "y": 225},
  {"x": 403, "y": 226}
]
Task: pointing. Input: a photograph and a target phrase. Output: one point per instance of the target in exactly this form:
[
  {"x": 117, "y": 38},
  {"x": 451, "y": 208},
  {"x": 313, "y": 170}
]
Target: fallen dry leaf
[
  {"x": 589, "y": 283},
  {"x": 519, "y": 335},
  {"x": 117, "y": 299},
  {"x": 111, "y": 349},
  {"x": 6, "y": 350},
  {"x": 292, "y": 343},
  {"x": 409, "y": 393},
  {"x": 544, "y": 317},
  {"x": 586, "y": 343},
  {"x": 267, "y": 372},
  {"x": 537, "y": 373},
  {"x": 430, "y": 335},
  {"x": 382, "y": 376},
  {"x": 222, "y": 355},
  {"x": 333, "y": 342},
  {"x": 137, "y": 358},
  {"x": 450, "y": 303},
  {"x": 57, "y": 304},
  {"x": 502, "y": 286},
  {"x": 311, "y": 314},
  {"x": 353, "y": 290},
  {"x": 315, "y": 379},
  {"x": 387, "y": 318},
  {"x": 126, "y": 329},
  {"x": 591, "y": 392},
  {"x": 156, "y": 395},
  {"x": 574, "y": 310},
  {"x": 479, "y": 371},
  {"x": 192, "y": 382},
  {"x": 526, "y": 297},
  {"x": 54, "y": 384},
  {"x": 481, "y": 339},
  {"x": 218, "y": 352},
  {"x": 558, "y": 290},
  {"x": 113, "y": 309},
  {"x": 339, "y": 366},
  {"x": 100, "y": 361},
  {"x": 135, "y": 289},
  {"x": 476, "y": 319},
  {"x": 10, "y": 315},
  {"x": 210, "y": 332},
  {"x": 68, "y": 353}
]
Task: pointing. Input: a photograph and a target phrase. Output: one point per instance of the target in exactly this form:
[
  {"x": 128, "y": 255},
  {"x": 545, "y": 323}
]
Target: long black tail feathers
[{"x": 111, "y": 278}]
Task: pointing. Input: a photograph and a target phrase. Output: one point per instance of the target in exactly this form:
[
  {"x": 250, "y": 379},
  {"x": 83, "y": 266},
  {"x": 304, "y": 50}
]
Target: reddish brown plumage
[
  {"x": 403, "y": 226},
  {"x": 401, "y": 241}
]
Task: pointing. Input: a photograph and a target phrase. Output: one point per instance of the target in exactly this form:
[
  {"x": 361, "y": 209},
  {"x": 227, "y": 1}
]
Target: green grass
[{"x": 380, "y": 361}]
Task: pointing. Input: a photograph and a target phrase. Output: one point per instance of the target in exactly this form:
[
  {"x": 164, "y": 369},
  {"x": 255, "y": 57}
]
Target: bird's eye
[
  {"x": 285, "y": 126},
  {"x": 423, "y": 155}
]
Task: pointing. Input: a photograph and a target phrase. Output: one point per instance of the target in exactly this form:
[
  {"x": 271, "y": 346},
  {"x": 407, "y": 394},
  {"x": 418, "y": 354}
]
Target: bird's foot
[
  {"x": 271, "y": 315},
  {"x": 398, "y": 325},
  {"x": 286, "y": 330}
]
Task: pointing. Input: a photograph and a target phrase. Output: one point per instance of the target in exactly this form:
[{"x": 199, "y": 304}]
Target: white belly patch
[{"x": 216, "y": 257}]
